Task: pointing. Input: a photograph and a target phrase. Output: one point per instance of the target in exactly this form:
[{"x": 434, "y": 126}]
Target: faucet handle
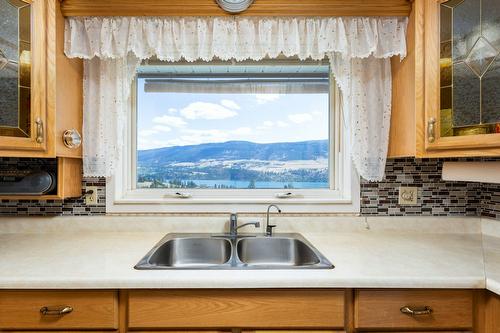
[{"x": 269, "y": 229}]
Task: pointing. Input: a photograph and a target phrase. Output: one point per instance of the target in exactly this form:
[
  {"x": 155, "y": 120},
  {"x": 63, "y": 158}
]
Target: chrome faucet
[
  {"x": 269, "y": 228},
  {"x": 233, "y": 225}
]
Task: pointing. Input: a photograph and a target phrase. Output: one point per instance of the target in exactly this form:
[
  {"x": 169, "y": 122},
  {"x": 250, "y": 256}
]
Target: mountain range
[{"x": 235, "y": 150}]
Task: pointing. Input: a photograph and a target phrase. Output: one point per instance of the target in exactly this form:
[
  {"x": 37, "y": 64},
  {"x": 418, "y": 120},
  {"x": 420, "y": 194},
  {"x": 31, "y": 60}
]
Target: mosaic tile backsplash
[
  {"x": 435, "y": 196},
  {"x": 490, "y": 201}
]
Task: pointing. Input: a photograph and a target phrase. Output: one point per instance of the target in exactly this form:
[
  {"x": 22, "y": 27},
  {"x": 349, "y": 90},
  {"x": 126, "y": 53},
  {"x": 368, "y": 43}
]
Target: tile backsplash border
[{"x": 435, "y": 196}]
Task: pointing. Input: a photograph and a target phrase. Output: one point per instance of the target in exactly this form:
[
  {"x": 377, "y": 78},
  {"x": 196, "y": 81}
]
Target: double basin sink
[{"x": 207, "y": 251}]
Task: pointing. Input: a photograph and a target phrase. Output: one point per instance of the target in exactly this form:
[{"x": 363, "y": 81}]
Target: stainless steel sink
[
  {"x": 206, "y": 251},
  {"x": 270, "y": 251},
  {"x": 188, "y": 251}
]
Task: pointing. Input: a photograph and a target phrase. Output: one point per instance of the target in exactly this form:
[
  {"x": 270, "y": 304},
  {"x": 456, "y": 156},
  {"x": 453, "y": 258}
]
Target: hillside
[{"x": 235, "y": 150}]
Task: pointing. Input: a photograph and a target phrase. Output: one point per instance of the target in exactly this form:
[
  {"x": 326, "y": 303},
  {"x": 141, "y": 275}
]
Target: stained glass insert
[
  {"x": 15, "y": 67},
  {"x": 469, "y": 66}
]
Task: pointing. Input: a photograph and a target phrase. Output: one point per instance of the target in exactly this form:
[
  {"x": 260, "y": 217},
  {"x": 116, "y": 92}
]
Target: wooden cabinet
[
  {"x": 23, "y": 78},
  {"x": 49, "y": 85},
  {"x": 491, "y": 313},
  {"x": 41, "y": 92},
  {"x": 251, "y": 311},
  {"x": 279, "y": 309},
  {"x": 446, "y": 99},
  {"x": 56, "y": 310},
  {"x": 413, "y": 309}
]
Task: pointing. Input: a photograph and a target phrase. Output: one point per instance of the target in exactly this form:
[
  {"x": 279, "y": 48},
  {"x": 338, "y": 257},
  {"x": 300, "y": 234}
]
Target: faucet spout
[
  {"x": 269, "y": 227},
  {"x": 233, "y": 225}
]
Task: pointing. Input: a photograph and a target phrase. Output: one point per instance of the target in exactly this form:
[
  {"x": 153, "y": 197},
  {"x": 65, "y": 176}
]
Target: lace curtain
[{"x": 359, "y": 49}]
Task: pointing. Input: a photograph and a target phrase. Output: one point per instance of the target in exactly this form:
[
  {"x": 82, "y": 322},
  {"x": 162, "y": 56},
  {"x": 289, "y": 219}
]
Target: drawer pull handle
[
  {"x": 56, "y": 310},
  {"x": 420, "y": 311}
]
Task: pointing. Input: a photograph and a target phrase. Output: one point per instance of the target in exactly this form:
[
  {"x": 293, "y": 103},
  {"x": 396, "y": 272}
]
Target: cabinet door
[
  {"x": 492, "y": 316},
  {"x": 462, "y": 76},
  {"x": 23, "y": 78},
  {"x": 217, "y": 308},
  {"x": 58, "y": 310},
  {"x": 410, "y": 310}
]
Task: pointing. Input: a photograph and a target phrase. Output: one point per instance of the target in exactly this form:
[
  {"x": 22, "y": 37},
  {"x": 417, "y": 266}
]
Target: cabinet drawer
[
  {"x": 381, "y": 309},
  {"x": 319, "y": 308},
  {"x": 89, "y": 310}
]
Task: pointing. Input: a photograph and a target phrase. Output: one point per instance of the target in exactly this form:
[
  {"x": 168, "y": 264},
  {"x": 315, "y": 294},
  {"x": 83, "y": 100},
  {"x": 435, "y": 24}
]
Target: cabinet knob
[
  {"x": 72, "y": 139},
  {"x": 431, "y": 130},
  {"x": 56, "y": 310},
  {"x": 39, "y": 130},
  {"x": 416, "y": 311}
]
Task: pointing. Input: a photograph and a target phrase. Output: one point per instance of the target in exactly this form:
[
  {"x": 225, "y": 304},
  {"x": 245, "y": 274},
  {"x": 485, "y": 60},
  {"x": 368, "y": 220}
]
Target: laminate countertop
[{"x": 60, "y": 254}]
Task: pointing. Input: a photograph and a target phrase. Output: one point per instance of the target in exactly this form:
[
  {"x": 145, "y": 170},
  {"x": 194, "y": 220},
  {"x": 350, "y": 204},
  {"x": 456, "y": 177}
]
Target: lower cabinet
[
  {"x": 250, "y": 311},
  {"x": 58, "y": 310},
  {"x": 414, "y": 309},
  {"x": 280, "y": 309},
  {"x": 492, "y": 313}
]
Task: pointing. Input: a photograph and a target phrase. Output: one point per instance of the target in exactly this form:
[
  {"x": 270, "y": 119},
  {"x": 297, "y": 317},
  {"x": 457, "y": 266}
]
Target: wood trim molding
[{"x": 258, "y": 8}]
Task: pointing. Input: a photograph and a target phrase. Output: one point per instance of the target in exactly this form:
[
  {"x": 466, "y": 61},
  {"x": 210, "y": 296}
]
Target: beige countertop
[{"x": 99, "y": 253}]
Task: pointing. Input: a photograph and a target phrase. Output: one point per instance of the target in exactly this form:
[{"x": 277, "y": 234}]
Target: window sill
[{"x": 137, "y": 202}]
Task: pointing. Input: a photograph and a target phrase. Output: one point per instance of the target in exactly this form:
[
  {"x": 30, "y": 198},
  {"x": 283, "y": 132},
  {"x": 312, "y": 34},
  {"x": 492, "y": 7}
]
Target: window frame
[{"x": 341, "y": 197}]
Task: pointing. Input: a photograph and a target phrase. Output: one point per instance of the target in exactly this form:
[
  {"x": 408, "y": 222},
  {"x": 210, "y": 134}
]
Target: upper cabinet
[
  {"x": 462, "y": 74},
  {"x": 446, "y": 93},
  {"x": 40, "y": 89},
  {"x": 23, "y": 112}
]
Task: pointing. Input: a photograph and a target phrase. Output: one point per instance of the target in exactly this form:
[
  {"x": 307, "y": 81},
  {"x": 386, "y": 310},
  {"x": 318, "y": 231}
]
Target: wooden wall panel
[
  {"x": 259, "y": 8},
  {"x": 402, "y": 137},
  {"x": 69, "y": 87},
  {"x": 69, "y": 177}
]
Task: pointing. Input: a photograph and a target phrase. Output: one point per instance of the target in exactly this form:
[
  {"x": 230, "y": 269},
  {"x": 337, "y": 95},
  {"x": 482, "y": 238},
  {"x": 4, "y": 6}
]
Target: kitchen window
[{"x": 221, "y": 134}]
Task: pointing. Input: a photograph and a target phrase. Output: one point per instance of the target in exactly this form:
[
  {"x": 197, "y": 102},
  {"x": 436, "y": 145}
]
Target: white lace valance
[
  {"x": 358, "y": 48},
  {"x": 240, "y": 38}
]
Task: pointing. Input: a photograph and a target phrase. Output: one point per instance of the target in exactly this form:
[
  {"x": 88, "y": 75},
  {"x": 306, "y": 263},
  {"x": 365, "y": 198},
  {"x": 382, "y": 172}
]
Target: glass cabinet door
[
  {"x": 15, "y": 68},
  {"x": 466, "y": 59},
  {"x": 22, "y": 74}
]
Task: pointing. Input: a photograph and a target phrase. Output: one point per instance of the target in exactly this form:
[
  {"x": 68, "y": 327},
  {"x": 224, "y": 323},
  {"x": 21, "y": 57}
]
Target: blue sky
[{"x": 178, "y": 119}]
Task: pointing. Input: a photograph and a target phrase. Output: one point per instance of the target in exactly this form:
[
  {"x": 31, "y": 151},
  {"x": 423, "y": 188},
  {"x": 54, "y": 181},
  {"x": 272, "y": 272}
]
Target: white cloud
[
  {"x": 266, "y": 98},
  {"x": 242, "y": 131},
  {"x": 169, "y": 121},
  {"x": 266, "y": 125},
  {"x": 172, "y": 110},
  {"x": 300, "y": 118},
  {"x": 162, "y": 128},
  {"x": 229, "y": 103},
  {"x": 148, "y": 132},
  {"x": 203, "y": 110}
]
